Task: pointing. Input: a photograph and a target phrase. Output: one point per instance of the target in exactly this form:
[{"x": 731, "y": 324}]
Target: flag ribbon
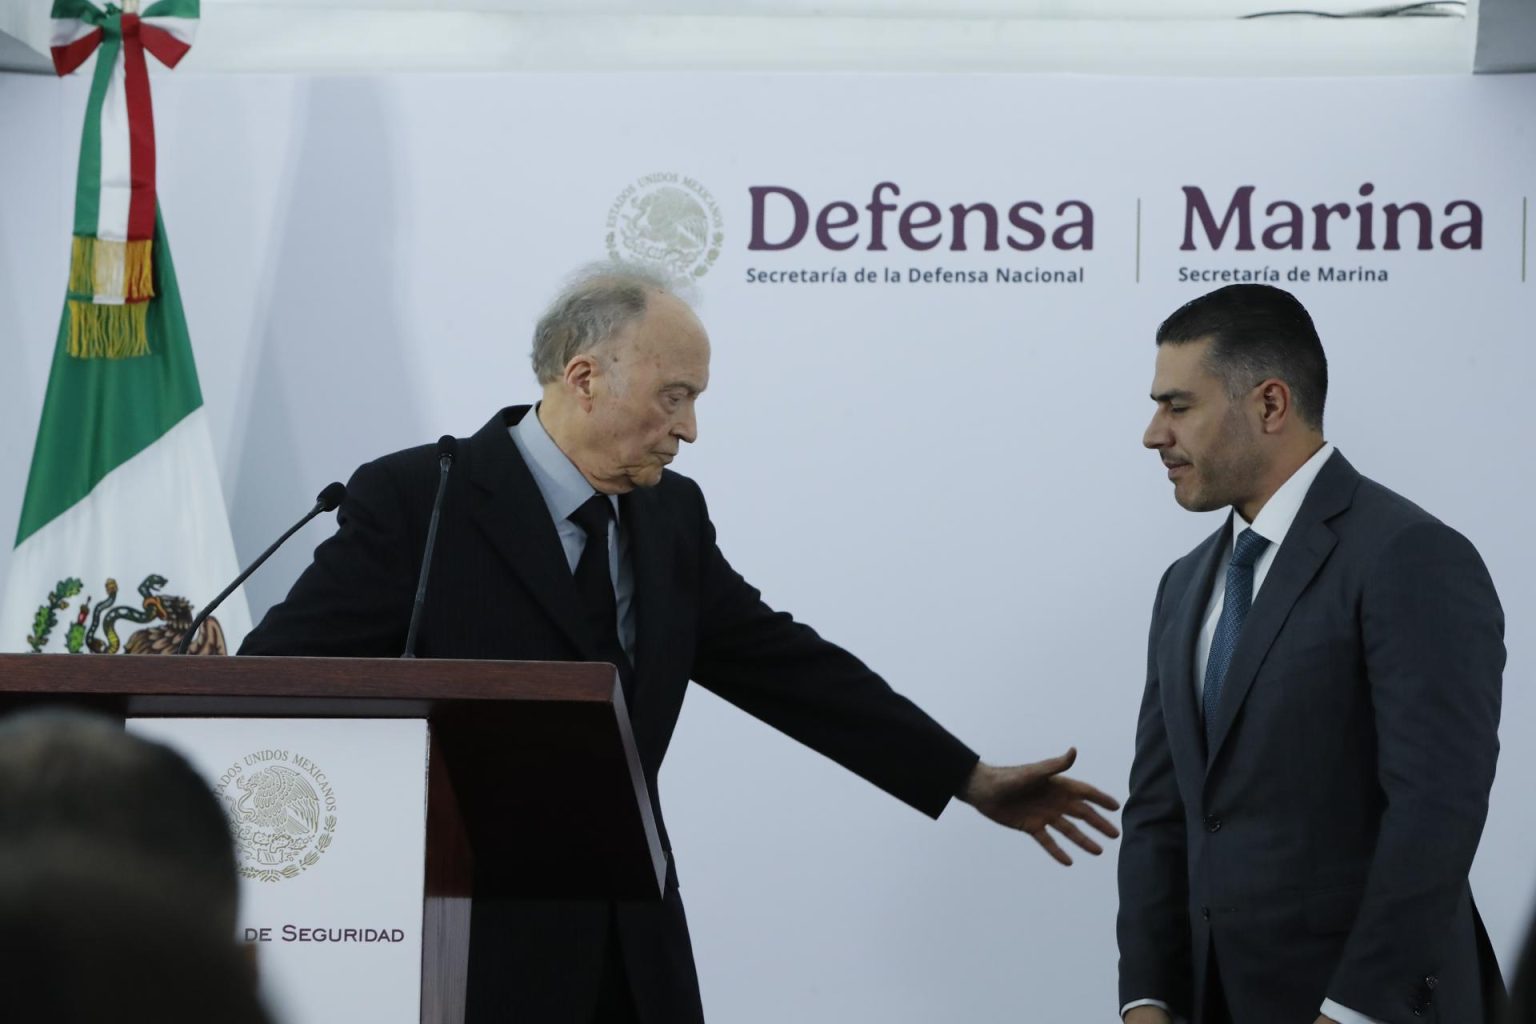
[{"x": 111, "y": 259}]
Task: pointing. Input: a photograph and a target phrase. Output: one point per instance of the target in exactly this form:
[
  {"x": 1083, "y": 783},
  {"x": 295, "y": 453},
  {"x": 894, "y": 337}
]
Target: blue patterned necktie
[{"x": 1234, "y": 612}]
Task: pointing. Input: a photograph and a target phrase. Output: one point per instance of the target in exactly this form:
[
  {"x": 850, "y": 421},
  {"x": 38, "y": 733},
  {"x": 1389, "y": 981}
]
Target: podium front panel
[{"x": 329, "y": 821}]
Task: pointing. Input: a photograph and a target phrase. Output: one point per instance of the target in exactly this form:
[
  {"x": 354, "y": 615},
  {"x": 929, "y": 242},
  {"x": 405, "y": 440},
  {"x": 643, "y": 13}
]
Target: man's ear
[
  {"x": 577, "y": 379},
  {"x": 1275, "y": 408}
]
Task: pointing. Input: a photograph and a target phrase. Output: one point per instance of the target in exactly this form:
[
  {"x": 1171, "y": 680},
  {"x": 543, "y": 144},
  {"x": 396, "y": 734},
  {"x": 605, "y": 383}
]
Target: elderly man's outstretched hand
[{"x": 1034, "y": 797}]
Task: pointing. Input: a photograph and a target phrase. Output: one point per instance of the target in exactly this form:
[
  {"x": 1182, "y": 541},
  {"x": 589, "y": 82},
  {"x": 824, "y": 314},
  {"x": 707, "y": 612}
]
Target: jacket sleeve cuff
[
  {"x": 1343, "y": 1014},
  {"x": 1128, "y": 1007}
]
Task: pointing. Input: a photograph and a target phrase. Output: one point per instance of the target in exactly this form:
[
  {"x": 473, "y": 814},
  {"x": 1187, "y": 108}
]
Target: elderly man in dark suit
[
  {"x": 1319, "y": 729},
  {"x": 565, "y": 537}
]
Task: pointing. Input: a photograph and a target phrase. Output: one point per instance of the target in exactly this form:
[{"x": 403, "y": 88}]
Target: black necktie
[{"x": 595, "y": 585}]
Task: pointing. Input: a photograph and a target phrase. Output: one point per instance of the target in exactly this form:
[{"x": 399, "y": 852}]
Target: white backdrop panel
[{"x": 947, "y": 478}]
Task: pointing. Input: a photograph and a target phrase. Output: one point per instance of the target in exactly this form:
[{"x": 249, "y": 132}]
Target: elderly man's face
[{"x": 643, "y": 397}]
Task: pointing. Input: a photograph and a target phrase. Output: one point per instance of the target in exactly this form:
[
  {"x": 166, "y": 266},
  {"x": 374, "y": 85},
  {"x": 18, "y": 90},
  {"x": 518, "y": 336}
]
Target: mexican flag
[{"x": 124, "y": 533}]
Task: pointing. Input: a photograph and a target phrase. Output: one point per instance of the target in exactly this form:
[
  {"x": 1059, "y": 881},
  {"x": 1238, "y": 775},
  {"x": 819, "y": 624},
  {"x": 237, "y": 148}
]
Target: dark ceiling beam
[{"x": 1506, "y": 36}]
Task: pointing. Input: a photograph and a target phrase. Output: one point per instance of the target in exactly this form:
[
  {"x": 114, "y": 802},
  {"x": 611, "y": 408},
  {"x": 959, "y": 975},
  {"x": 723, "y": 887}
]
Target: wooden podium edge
[{"x": 449, "y": 892}]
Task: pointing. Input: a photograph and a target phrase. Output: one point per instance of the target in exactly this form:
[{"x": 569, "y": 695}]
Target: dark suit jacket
[
  {"x": 501, "y": 588},
  {"x": 1320, "y": 847}
]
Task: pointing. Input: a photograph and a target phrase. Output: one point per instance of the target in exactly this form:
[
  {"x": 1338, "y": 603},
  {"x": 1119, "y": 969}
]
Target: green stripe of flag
[
  {"x": 75, "y": 10},
  {"x": 171, "y": 9},
  {"x": 99, "y": 413},
  {"x": 88, "y": 182}
]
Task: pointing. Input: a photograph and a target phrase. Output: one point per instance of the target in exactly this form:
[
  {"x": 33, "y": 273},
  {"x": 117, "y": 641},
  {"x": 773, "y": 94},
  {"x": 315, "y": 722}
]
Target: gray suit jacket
[{"x": 1320, "y": 847}]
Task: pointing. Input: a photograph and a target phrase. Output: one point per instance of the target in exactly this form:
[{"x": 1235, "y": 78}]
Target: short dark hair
[
  {"x": 87, "y": 935},
  {"x": 1256, "y": 331},
  {"x": 71, "y": 776}
]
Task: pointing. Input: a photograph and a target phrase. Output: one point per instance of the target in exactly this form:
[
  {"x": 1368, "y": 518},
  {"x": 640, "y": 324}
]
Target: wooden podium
[{"x": 517, "y": 750}]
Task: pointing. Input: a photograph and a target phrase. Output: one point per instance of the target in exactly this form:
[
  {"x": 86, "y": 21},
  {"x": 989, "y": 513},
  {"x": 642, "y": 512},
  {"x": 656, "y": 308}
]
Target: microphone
[
  {"x": 447, "y": 447},
  {"x": 327, "y": 500}
]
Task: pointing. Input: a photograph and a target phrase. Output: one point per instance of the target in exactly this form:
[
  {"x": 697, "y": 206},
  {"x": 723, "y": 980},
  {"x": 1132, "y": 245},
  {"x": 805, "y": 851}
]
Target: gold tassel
[
  {"x": 138, "y": 272},
  {"x": 114, "y": 270},
  {"x": 108, "y": 331},
  {"x": 82, "y": 266},
  {"x": 107, "y": 269}
]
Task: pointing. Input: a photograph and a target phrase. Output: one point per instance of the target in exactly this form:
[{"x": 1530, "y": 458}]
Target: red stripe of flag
[
  {"x": 168, "y": 50},
  {"x": 141, "y": 134},
  {"x": 70, "y": 56}
]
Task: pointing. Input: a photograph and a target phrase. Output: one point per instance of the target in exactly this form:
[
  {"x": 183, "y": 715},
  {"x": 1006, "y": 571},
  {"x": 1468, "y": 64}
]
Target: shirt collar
[
  {"x": 1274, "y": 520},
  {"x": 559, "y": 481}
]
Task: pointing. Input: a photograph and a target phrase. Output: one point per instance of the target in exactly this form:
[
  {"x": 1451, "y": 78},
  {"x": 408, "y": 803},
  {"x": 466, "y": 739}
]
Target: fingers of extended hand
[
  {"x": 1065, "y": 826},
  {"x": 1056, "y": 765},
  {"x": 1048, "y": 841},
  {"x": 1080, "y": 809},
  {"x": 1083, "y": 791}
]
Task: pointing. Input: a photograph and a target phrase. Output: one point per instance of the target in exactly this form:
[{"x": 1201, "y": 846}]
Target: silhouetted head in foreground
[
  {"x": 88, "y": 937},
  {"x": 78, "y": 781}
]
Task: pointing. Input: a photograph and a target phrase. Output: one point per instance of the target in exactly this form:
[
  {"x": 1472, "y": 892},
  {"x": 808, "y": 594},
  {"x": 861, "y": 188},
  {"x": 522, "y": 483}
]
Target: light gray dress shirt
[{"x": 565, "y": 490}]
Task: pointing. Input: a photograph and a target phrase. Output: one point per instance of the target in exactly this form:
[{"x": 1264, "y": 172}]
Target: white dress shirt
[{"x": 1272, "y": 523}]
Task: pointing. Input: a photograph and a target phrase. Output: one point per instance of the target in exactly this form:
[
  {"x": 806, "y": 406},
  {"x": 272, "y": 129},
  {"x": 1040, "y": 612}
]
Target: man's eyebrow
[
  {"x": 1172, "y": 396},
  {"x": 693, "y": 390}
]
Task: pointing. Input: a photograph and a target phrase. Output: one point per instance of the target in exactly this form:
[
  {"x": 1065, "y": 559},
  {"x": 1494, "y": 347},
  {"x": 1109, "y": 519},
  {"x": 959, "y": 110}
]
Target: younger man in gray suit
[{"x": 1318, "y": 733}]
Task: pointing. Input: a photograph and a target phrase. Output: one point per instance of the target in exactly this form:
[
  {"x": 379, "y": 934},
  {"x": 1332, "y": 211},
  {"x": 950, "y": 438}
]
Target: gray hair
[{"x": 600, "y": 300}]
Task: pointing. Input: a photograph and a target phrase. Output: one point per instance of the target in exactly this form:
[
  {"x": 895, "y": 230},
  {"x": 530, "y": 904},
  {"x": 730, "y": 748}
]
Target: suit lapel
[
  {"x": 1305, "y": 549},
  {"x": 506, "y": 506},
  {"x": 1180, "y": 707},
  {"x": 650, "y": 550}
]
